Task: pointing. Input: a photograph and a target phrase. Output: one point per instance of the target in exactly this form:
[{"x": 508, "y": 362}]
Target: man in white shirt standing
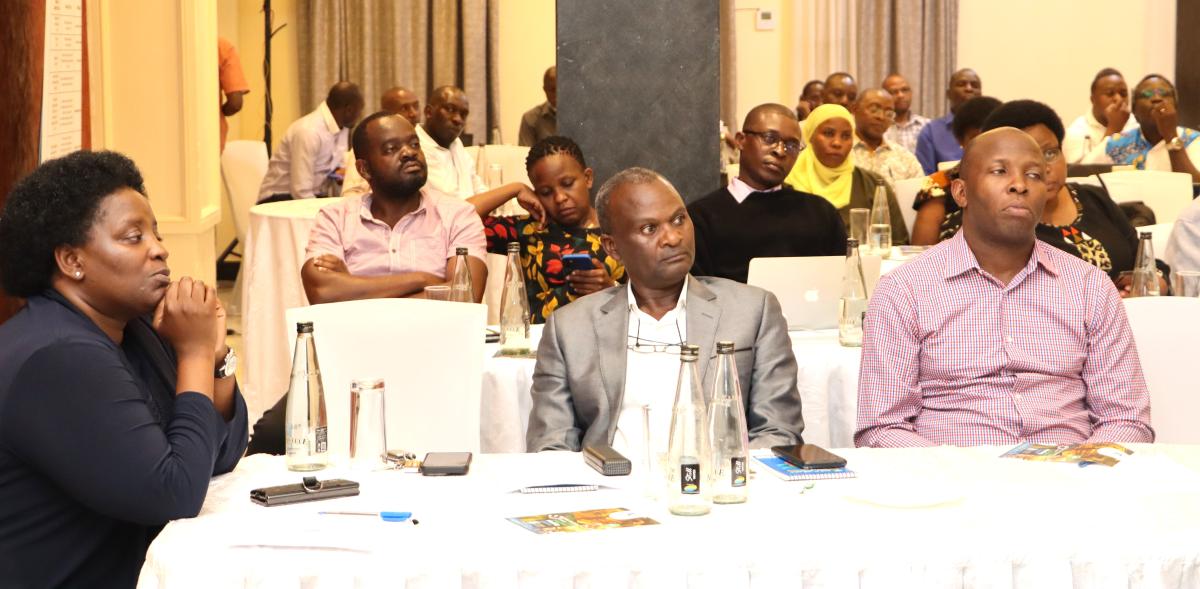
[
  {"x": 308, "y": 159},
  {"x": 907, "y": 126},
  {"x": 1109, "y": 116}
]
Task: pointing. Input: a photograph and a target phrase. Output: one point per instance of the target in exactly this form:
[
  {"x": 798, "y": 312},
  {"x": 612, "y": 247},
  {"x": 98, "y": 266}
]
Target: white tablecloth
[{"x": 935, "y": 517}]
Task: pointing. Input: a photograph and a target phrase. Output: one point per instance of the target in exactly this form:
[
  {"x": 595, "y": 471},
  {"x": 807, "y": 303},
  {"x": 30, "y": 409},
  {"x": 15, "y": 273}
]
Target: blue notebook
[{"x": 788, "y": 472}]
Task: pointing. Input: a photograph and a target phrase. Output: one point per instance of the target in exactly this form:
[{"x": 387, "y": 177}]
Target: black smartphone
[
  {"x": 809, "y": 456},
  {"x": 574, "y": 262},
  {"x": 446, "y": 463}
]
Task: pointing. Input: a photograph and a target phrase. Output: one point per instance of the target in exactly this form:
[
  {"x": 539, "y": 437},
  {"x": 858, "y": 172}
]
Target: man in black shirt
[{"x": 756, "y": 216}]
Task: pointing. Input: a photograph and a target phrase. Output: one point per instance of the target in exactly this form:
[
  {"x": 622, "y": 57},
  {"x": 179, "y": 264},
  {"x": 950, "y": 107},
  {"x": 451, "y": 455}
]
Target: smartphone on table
[{"x": 809, "y": 456}]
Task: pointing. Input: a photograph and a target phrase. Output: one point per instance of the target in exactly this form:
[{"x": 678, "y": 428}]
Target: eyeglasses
[
  {"x": 1150, "y": 93},
  {"x": 1051, "y": 154},
  {"x": 876, "y": 110},
  {"x": 643, "y": 345},
  {"x": 771, "y": 139}
]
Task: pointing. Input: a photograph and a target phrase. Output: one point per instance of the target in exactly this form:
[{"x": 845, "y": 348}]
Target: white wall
[
  {"x": 527, "y": 48},
  {"x": 1049, "y": 50}
]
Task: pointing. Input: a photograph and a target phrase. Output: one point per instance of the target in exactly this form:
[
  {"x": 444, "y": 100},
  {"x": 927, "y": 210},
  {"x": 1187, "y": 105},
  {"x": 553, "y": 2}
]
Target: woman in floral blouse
[{"x": 562, "y": 221}]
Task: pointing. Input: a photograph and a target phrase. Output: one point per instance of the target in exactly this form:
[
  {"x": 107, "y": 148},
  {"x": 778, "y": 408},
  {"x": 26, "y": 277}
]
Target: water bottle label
[
  {"x": 737, "y": 471},
  {"x": 322, "y": 435},
  {"x": 689, "y": 479}
]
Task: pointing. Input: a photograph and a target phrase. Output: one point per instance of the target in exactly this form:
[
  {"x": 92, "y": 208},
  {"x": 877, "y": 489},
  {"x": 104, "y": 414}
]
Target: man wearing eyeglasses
[
  {"x": 1158, "y": 143},
  {"x": 874, "y": 112},
  {"x": 756, "y": 215},
  {"x": 608, "y": 363}
]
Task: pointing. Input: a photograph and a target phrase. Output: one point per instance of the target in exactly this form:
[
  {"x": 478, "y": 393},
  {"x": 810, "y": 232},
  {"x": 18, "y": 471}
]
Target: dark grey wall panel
[
  {"x": 1187, "y": 62},
  {"x": 638, "y": 86}
]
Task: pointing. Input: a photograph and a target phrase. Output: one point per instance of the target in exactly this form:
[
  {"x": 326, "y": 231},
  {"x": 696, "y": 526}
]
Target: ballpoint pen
[{"x": 387, "y": 516}]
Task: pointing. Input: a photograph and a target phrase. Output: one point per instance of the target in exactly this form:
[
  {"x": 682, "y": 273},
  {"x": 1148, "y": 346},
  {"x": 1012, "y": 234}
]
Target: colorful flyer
[
  {"x": 1106, "y": 453},
  {"x": 582, "y": 521}
]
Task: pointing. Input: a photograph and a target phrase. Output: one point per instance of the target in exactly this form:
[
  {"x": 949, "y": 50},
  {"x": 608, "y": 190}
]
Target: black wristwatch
[{"x": 228, "y": 366}]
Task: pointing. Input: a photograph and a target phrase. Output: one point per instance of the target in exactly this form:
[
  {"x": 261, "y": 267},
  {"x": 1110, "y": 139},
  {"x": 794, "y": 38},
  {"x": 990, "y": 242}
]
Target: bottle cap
[
  {"x": 851, "y": 242},
  {"x": 304, "y": 327},
  {"x": 514, "y": 248},
  {"x": 725, "y": 347},
  {"x": 460, "y": 251},
  {"x": 366, "y": 384},
  {"x": 689, "y": 352},
  {"x": 1145, "y": 235}
]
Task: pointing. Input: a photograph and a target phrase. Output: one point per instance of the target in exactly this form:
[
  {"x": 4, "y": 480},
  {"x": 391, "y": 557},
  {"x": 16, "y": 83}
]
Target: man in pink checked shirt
[{"x": 993, "y": 337}]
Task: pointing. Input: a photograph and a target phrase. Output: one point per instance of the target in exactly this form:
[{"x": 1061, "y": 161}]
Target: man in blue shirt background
[{"x": 936, "y": 143}]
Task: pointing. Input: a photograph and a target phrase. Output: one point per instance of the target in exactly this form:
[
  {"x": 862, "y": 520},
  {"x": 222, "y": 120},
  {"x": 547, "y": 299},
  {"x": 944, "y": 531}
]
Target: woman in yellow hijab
[{"x": 826, "y": 168}]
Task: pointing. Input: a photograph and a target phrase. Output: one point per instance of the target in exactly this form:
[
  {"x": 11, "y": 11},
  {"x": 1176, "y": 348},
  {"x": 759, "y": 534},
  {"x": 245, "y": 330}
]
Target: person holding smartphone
[{"x": 561, "y": 253}]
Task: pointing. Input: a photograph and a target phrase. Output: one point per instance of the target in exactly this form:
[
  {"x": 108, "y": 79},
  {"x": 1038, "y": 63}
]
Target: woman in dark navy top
[{"x": 117, "y": 402}]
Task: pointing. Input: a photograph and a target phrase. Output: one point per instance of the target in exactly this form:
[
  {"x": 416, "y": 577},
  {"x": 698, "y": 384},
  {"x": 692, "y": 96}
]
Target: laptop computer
[{"x": 808, "y": 288}]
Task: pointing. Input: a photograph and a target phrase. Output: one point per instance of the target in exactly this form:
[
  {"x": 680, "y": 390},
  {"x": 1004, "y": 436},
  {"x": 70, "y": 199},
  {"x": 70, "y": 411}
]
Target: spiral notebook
[{"x": 789, "y": 472}]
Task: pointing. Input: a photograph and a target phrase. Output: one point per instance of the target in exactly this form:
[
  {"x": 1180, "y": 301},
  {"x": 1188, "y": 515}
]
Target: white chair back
[
  {"x": 1163, "y": 327},
  {"x": 243, "y": 166},
  {"x": 1160, "y": 234},
  {"x": 1166, "y": 193},
  {"x": 429, "y": 353},
  {"x": 906, "y": 193}
]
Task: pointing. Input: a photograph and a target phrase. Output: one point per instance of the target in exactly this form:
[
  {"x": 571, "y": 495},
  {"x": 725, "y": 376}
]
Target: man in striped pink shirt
[{"x": 993, "y": 337}]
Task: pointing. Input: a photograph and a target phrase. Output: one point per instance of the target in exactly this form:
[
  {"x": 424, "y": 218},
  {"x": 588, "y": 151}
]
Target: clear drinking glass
[
  {"x": 438, "y": 292},
  {"x": 368, "y": 429},
  {"x": 495, "y": 176},
  {"x": 860, "y": 219},
  {"x": 1185, "y": 283}
]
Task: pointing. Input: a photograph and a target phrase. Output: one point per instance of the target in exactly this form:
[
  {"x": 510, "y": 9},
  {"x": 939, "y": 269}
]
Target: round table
[{"x": 273, "y": 256}]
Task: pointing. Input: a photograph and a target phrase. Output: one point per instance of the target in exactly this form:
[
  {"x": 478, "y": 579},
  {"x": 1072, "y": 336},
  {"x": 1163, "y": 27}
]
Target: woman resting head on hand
[{"x": 117, "y": 402}]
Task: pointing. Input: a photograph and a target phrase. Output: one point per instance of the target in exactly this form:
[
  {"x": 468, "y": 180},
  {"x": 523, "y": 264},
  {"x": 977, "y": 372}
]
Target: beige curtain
[
  {"x": 915, "y": 38},
  {"x": 418, "y": 44},
  {"x": 824, "y": 40}
]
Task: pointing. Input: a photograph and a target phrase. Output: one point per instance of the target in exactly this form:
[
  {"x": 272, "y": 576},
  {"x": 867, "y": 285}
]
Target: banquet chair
[
  {"x": 243, "y": 167},
  {"x": 906, "y": 193},
  {"x": 1162, "y": 326},
  {"x": 1166, "y": 193},
  {"x": 429, "y": 353}
]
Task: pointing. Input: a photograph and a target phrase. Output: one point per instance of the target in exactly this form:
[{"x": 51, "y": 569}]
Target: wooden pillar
[{"x": 21, "y": 46}]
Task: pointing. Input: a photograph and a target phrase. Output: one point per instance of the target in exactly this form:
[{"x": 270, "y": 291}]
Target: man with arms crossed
[
  {"x": 993, "y": 337},
  {"x": 607, "y": 355},
  {"x": 396, "y": 239}
]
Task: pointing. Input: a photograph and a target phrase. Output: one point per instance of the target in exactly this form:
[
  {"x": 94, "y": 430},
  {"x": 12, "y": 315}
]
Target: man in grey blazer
[{"x": 606, "y": 354}]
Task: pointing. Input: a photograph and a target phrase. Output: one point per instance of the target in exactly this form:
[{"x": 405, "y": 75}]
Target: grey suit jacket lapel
[
  {"x": 703, "y": 315},
  {"x": 611, "y": 324}
]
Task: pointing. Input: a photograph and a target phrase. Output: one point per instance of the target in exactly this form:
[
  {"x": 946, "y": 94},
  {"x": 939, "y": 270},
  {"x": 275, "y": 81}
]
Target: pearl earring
[{"x": 78, "y": 274}]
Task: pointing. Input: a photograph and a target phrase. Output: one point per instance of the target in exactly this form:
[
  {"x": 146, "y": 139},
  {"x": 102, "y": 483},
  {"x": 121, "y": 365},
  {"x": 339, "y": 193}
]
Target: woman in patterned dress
[{"x": 561, "y": 221}]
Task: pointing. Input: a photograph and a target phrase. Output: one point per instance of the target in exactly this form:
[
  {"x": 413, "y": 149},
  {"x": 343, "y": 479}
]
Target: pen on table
[{"x": 387, "y": 516}]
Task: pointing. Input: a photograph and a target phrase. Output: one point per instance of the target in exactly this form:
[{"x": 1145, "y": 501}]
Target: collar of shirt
[
  {"x": 740, "y": 191},
  {"x": 365, "y": 210},
  {"x": 962, "y": 259},
  {"x": 327, "y": 115},
  {"x": 635, "y": 313},
  {"x": 426, "y": 139},
  {"x": 861, "y": 146}
]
